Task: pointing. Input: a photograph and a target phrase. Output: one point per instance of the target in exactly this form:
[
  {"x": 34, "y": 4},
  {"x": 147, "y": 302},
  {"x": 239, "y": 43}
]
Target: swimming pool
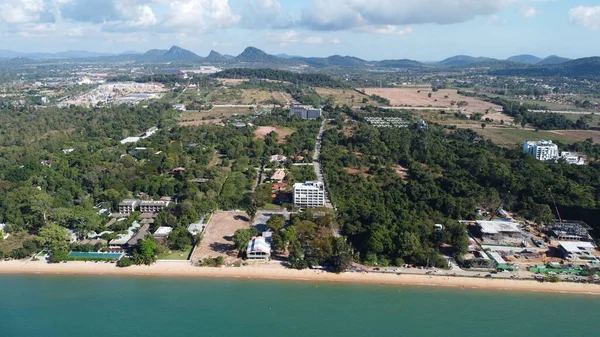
[{"x": 95, "y": 255}]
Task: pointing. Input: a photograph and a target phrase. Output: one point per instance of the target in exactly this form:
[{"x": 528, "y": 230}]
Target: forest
[
  {"x": 392, "y": 185},
  {"x": 311, "y": 79}
]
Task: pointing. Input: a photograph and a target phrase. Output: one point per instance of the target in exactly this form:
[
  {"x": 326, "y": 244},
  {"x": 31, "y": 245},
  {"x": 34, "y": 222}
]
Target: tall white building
[
  {"x": 542, "y": 150},
  {"x": 311, "y": 194}
]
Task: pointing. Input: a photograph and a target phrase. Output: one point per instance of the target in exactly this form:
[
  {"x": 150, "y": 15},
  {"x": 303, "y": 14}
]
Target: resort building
[
  {"x": 162, "y": 233},
  {"x": 542, "y": 150},
  {"x": 153, "y": 206},
  {"x": 128, "y": 206},
  {"x": 259, "y": 249},
  {"x": 309, "y": 195},
  {"x": 577, "y": 251}
]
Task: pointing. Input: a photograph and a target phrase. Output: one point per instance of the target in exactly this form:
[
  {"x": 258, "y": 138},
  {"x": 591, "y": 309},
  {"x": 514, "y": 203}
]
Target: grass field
[
  {"x": 574, "y": 117},
  {"x": 344, "y": 96},
  {"x": 176, "y": 254},
  {"x": 14, "y": 241},
  {"x": 510, "y": 136},
  {"x": 247, "y": 96},
  {"x": 216, "y": 115}
]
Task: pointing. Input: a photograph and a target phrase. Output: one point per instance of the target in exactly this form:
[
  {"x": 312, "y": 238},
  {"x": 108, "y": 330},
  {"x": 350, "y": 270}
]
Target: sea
[{"x": 75, "y": 306}]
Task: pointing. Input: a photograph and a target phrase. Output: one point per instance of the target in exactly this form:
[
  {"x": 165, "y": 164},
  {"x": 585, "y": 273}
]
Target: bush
[{"x": 125, "y": 262}]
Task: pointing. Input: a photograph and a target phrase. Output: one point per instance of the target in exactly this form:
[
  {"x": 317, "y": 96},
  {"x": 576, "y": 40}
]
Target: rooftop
[
  {"x": 163, "y": 231},
  {"x": 496, "y": 227},
  {"x": 577, "y": 247},
  {"x": 259, "y": 244}
]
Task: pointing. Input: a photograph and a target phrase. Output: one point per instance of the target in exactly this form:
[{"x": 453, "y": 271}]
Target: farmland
[
  {"x": 344, "y": 96},
  {"x": 282, "y": 132}
]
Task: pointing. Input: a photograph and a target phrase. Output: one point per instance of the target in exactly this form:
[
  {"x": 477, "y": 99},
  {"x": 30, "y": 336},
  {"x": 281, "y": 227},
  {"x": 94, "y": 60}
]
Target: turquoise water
[
  {"x": 59, "y": 306},
  {"x": 93, "y": 255}
]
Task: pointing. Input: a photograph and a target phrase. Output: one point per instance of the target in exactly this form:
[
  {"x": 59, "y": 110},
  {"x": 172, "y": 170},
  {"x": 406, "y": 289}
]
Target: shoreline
[{"x": 269, "y": 272}]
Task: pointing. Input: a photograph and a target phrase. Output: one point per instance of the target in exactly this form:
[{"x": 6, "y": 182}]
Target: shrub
[{"x": 125, "y": 262}]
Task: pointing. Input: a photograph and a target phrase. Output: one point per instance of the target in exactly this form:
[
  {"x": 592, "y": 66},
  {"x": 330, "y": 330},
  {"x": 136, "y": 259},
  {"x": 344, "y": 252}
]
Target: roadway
[{"x": 317, "y": 164}]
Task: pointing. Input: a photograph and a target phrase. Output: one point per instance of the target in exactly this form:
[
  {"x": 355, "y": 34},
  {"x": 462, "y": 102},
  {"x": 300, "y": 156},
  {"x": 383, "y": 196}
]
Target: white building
[
  {"x": 542, "y": 150},
  {"x": 311, "y": 194},
  {"x": 573, "y": 158},
  {"x": 129, "y": 140},
  {"x": 259, "y": 249}
]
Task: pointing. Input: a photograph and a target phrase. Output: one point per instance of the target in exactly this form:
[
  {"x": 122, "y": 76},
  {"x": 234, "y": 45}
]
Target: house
[
  {"x": 67, "y": 151},
  {"x": 179, "y": 107},
  {"x": 258, "y": 249},
  {"x": 128, "y": 206},
  {"x": 130, "y": 140},
  {"x": 309, "y": 194},
  {"x": 137, "y": 237},
  {"x": 162, "y": 233},
  {"x": 178, "y": 170},
  {"x": 150, "y": 132},
  {"x": 196, "y": 228},
  {"x": 577, "y": 251},
  {"x": 278, "y": 158},
  {"x": 278, "y": 176},
  {"x": 153, "y": 206}
]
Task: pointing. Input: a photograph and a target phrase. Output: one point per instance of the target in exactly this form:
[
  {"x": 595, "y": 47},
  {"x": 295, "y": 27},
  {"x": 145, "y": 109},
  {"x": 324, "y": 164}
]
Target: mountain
[
  {"x": 215, "y": 57},
  {"x": 287, "y": 57},
  {"x": 175, "y": 54},
  {"x": 463, "y": 60},
  {"x": 525, "y": 59},
  {"x": 70, "y": 54},
  {"x": 255, "y": 55},
  {"x": 553, "y": 59},
  {"x": 228, "y": 57},
  {"x": 130, "y": 52},
  {"x": 584, "y": 67},
  {"x": 403, "y": 64},
  {"x": 333, "y": 61}
]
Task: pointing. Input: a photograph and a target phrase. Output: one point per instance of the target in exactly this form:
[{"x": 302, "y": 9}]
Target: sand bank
[{"x": 184, "y": 269}]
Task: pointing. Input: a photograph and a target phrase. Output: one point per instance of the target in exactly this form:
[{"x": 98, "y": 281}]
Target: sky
[{"x": 425, "y": 30}]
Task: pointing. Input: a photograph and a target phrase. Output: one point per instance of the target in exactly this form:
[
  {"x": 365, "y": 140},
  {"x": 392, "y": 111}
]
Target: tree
[
  {"x": 342, "y": 255},
  {"x": 429, "y": 95},
  {"x": 180, "y": 239},
  {"x": 53, "y": 237},
  {"x": 251, "y": 211},
  {"x": 276, "y": 222},
  {"x": 59, "y": 255},
  {"x": 483, "y": 125},
  {"x": 146, "y": 252},
  {"x": 242, "y": 237},
  {"x": 125, "y": 262}
]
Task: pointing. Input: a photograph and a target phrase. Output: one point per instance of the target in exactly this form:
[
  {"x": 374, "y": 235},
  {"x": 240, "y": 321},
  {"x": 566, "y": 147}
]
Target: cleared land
[
  {"x": 262, "y": 131},
  {"x": 175, "y": 254},
  {"x": 420, "y": 98},
  {"x": 580, "y": 135},
  {"x": 217, "y": 240},
  {"x": 247, "y": 96},
  {"x": 214, "y": 116},
  {"x": 344, "y": 96}
]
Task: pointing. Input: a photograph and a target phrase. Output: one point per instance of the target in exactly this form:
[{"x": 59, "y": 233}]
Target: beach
[{"x": 184, "y": 269}]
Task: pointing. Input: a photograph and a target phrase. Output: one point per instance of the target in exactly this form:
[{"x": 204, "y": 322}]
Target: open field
[
  {"x": 344, "y": 96},
  {"x": 14, "y": 241},
  {"x": 217, "y": 240},
  {"x": 579, "y": 135},
  {"x": 419, "y": 98},
  {"x": 232, "y": 81},
  {"x": 262, "y": 131},
  {"x": 512, "y": 136},
  {"x": 595, "y": 118},
  {"x": 214, "y": 116}
]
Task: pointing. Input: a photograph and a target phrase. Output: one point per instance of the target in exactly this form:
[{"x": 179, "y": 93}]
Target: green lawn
[
  {"x": 271, "y": 207},
  {"x": 574, "y": 117},
  {"x": 176, "y": 254},
  {"x": 508, "y": 136}
]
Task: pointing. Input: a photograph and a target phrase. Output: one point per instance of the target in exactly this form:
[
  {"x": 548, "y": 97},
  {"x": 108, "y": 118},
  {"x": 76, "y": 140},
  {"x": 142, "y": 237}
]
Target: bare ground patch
[
  {"x": 419, "y": 97},
  {"x": 214, "y": 116},
  {"x": 262, "y": 131},
  {"x": 218, "y": 237}
]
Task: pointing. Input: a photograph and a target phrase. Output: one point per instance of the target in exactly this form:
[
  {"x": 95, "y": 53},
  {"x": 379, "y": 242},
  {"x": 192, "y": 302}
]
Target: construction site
[{"x": 118, "y": 93}]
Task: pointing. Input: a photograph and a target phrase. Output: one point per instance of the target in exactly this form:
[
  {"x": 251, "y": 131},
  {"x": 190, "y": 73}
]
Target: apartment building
[
  {"x": 310, "y": 194},
  {"x": 542, "y": 150}
]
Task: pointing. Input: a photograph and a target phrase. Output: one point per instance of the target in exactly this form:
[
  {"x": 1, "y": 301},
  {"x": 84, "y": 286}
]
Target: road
[{"x": 317, "y": 164}]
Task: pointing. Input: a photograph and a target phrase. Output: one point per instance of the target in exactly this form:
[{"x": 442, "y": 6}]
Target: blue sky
[{"x": 372, "y": 29}]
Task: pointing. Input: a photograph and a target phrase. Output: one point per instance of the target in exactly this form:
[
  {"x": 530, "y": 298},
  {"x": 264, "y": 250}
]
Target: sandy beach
[{"x": 184, "y": 269}]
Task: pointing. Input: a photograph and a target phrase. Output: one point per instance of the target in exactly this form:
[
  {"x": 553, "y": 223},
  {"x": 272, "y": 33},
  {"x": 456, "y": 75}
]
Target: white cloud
[
  {"x": 293, "y": 37},
  {"x": 588, "y": 17},
  {"x": 265, "y": 14},
  {"x": 387, "y": 30},
  {"x": 25, "y": 11},
  {"x": 194, "y": 15},
  {"x": 528, "y": 12},
  {"x": 349, "y": 14}
]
